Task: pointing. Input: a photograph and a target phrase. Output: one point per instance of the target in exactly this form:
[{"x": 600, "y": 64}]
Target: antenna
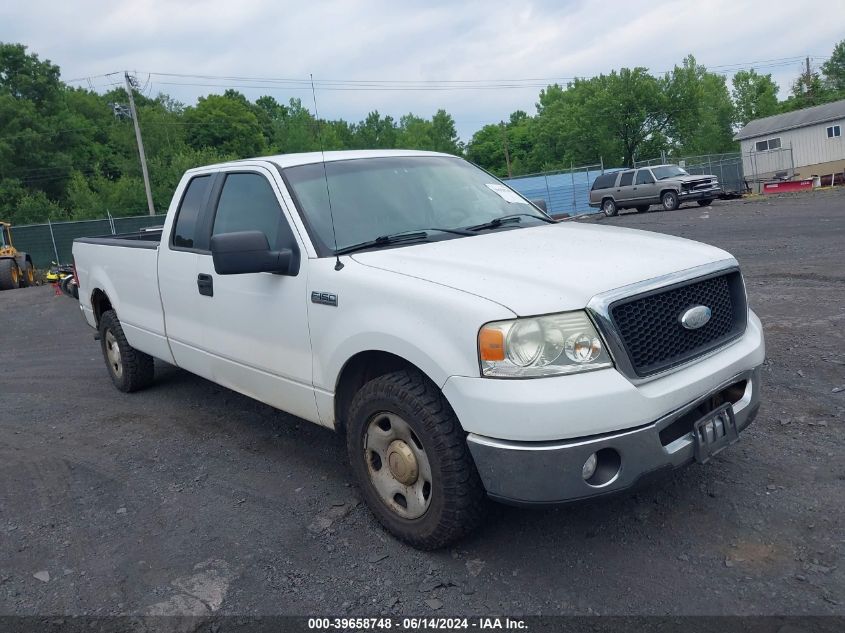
[{"x": 338, "y": 264}]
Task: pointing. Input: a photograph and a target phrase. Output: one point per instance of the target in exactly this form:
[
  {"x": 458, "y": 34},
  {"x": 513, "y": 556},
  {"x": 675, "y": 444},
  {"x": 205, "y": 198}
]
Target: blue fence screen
[{"x": 564, "y": 192}]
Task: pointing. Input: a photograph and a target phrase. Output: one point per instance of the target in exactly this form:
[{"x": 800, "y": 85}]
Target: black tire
[
  {"x": 642, "y": 208},
  {"x": 705, "y": 203},
  {"x": 9, "y": 274},
  {"x": 27, "y": 275},
  {"x": 608, "y": 206},
  {"x": 669, "y": 200},
  {"x": 133, "y": 370},
  {"x": 64, "y": 285},
  {"x": 457, "y": 498}
]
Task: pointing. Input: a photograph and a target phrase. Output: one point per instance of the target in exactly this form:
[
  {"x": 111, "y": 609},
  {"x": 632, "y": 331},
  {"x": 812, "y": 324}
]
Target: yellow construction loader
[{"x": 16, "y": 269}]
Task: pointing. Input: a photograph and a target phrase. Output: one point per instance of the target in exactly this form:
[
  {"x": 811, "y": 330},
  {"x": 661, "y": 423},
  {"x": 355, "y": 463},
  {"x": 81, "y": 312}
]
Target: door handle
[{"x": 205, "y": 285}]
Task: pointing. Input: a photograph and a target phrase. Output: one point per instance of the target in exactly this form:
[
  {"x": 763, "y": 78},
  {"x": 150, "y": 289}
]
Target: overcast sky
[{"x": 409, "y": 41}]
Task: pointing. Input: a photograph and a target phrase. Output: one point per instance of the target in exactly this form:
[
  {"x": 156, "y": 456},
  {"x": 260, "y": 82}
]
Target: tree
[
  {"x": 414, "y": 132},
  {"x": 699, "y": 109},
  {"x": 632, "y": 106},
  {"x": 376, "y": 132},
  {"x": 755, "y": 96},
  {"x": 487, "y": 149},
  {"x": 808, "y": 90},
  {"x": 444, "y": 136},
  {"x": 225, "y": 123},
  {"x": 834, "y": 69}
]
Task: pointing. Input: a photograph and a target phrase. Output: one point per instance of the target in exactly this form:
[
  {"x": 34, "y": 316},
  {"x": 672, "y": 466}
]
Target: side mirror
[
  {"x": 249, "y": 252},
  {"x": 540, "y": 204}
]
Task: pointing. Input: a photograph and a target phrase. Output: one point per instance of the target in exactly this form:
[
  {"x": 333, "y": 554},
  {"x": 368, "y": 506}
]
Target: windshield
[
  {"x": 372, "y": 197},
  {"x": 670, "y": 171}
]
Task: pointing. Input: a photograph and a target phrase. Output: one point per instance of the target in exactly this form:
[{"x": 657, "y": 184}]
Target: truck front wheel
[
  {"x": 409, "y": 457},
  {"x": 670, "y": 201},
  {"x": 130, "y": 370}
]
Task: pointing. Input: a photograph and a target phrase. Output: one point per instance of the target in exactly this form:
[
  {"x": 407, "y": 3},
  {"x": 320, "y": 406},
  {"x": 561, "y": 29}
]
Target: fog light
[{"x": 589, "y": 467}]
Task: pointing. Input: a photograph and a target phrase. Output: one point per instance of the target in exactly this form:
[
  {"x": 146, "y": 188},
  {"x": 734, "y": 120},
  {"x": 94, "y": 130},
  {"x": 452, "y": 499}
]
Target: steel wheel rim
[
  {"x": 398, "y": 465},
  {"x": 113, "y": 354},
  {"x": 608, "y": 209}
]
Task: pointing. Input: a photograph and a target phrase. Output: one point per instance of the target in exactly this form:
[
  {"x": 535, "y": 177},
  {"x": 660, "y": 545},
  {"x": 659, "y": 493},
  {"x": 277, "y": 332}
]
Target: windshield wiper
[
  {"x": 413, "y": 235},
  {"x": 508, "y": 219}
]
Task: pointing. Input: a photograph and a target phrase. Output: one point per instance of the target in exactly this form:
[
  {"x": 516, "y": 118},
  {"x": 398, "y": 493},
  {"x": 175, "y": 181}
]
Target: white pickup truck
[{"x": 466, "y": 344}]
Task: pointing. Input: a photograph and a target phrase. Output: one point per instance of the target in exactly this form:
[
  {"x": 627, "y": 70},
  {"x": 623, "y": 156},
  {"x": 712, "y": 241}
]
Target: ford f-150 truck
[{"x": 466, "y": 344}]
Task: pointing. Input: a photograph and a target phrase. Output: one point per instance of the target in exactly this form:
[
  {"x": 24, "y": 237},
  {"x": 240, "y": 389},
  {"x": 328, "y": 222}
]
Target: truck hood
[
  {"x": 549, "y": 268},
  {"x": 692, "y": 178}
]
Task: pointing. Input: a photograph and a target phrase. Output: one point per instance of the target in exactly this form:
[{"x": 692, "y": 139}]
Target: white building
[{"x": 808, "y": 142}]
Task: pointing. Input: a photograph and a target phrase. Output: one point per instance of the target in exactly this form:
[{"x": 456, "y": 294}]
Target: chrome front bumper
[
  {"x": 551, "y": 472},
  {"x": 700, "y": 194}
]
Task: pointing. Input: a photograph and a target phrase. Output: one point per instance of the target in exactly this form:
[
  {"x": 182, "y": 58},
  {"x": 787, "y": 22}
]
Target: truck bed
[
  {"x": 149, "y": 238},
  {"x": 129, "y": 277}
]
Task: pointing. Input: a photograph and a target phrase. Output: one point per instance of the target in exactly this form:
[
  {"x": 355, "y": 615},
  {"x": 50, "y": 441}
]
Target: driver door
[{"x": 256, "y": 324}]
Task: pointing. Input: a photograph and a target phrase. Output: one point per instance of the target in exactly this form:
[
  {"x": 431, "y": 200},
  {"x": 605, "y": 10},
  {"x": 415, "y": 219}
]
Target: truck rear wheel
[
  {"x": 410, "y": 458},
  {"x": 9, "y": 274},
  {"x": 130, "y": 370}
]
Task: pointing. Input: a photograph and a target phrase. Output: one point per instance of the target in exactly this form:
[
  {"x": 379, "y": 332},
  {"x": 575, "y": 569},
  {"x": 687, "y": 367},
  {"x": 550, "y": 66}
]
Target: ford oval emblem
[{"x": 696, "y": 317}]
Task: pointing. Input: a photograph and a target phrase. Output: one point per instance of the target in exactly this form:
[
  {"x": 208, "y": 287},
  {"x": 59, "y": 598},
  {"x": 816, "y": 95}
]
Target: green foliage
[
  {"x": 834, "y": 69},
  {"x": 70, "y": 153},
  {"x": 755, "y": 96},
  {"x": 225, "y": 122}
]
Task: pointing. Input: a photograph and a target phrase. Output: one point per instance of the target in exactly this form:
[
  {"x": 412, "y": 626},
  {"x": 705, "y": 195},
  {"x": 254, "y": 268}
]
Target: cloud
[{"x": 381, "y": 40}]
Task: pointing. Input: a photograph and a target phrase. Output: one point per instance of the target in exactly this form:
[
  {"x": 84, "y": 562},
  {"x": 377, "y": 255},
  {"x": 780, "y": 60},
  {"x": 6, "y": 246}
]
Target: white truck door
[
  {"x": 256, "y": 324},
  {"x": 181, "y": 242}
]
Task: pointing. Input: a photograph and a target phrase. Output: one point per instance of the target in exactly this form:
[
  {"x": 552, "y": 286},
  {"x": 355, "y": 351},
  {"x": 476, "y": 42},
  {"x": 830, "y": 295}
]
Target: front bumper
[
  {"x": 550, "y": 472},
  {"x": 700, "y": 194}
]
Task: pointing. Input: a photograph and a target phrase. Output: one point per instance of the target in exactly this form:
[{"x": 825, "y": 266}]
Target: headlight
[{"x": 541, "y": 346}]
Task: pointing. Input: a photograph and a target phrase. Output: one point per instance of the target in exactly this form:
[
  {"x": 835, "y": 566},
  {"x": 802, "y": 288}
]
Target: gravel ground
[{"x": 189, "y": 498}]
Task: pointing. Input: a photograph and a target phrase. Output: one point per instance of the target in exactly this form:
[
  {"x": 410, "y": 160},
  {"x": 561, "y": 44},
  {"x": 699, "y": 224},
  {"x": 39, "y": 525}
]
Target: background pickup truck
[{"x": 467, "y": 345}]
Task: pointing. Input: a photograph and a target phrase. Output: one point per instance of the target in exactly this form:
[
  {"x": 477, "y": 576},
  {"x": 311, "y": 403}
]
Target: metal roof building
[{"x": 806, "y": 142}]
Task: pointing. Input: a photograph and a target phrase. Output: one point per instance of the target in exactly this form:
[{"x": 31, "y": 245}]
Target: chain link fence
[
  {"x": 738, "y": 172},
  {"x": 52, "y": 242},
  {"x": 773, "y": 164}
]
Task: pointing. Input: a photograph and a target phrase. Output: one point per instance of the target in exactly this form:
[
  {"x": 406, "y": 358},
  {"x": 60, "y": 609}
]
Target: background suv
[{"x": 667, "y": 185}]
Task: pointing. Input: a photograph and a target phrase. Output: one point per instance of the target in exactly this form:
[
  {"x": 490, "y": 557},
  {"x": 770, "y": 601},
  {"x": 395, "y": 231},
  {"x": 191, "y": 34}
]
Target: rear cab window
[{"x": 185, "y": 230}]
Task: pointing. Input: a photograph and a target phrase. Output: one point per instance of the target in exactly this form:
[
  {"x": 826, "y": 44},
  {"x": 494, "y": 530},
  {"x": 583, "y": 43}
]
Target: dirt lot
[{"x": 189, "y": 498}]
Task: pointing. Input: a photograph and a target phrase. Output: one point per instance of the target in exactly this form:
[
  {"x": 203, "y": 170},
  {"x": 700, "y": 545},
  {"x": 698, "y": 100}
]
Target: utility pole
[
  {"x": 505, "y": 144},
  {"x": 140, "y": 142}
]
